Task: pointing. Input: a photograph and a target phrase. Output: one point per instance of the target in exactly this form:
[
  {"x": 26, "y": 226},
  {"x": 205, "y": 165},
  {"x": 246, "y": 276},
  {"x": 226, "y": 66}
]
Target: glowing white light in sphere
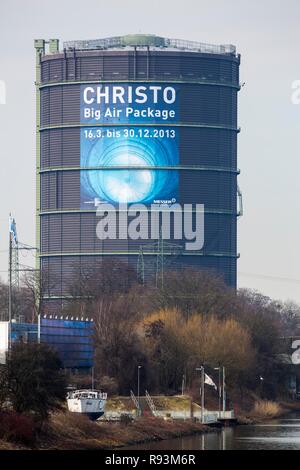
[{"x": 128, "y": 186}]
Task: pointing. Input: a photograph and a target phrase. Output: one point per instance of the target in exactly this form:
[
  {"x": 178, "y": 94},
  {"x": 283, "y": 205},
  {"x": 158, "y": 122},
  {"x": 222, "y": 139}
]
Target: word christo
[
  {"x": 129, "y": 94},
  {"x": 138, "y": 221}
]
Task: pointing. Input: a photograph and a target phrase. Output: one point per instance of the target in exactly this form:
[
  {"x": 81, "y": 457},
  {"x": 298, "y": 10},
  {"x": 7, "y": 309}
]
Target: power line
[{"x": 269, "y": 278}]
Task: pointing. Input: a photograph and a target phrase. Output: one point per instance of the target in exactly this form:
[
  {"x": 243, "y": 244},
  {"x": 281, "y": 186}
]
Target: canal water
[{"x": 280, "y": 434}]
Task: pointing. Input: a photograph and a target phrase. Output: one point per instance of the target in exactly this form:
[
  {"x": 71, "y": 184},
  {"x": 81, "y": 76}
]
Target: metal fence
[{"x": 152, "y": 41}]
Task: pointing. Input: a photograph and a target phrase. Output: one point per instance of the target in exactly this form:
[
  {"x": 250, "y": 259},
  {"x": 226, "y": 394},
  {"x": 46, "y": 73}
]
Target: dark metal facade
[
  {"x": 208, "y": 153},
  {"x": 71, "y": 338}
]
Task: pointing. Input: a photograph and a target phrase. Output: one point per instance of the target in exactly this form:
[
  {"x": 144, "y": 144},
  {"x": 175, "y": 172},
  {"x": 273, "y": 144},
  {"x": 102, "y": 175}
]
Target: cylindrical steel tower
[{"x": 166, "y": 107}]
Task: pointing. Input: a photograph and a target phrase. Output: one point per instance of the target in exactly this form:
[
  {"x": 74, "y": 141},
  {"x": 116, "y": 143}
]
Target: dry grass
[
  {"x": 120, "y": 404},
  {"x": 4, "y": 445},
  {"x": 265, "y": 409},
  {"x": 67, "y": 431},
  {"x": 290, "y": 406},
  {"x": 175, "y": 403}
]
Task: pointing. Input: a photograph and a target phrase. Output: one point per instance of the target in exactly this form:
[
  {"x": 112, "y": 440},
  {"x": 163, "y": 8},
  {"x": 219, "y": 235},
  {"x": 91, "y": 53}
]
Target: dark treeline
[{"x": 194, "y": 319}]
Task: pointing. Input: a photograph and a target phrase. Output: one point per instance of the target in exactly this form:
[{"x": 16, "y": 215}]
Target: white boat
[{"x": 88, "y": 402}]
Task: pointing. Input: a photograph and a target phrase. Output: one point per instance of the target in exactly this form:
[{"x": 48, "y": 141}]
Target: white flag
[{"x": 210, "y": 382}]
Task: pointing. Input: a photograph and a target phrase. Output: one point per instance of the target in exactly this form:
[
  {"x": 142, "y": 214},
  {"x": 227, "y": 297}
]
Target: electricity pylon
[
  {"x": 13, "y": 270},
  {"x": 13, "y": 258},
  {"x": 164, "y": 254}
]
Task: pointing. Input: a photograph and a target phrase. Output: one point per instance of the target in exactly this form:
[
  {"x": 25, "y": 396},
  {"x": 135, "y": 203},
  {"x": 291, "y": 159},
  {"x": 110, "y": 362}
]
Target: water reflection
[{"x": 283, "y": 434}]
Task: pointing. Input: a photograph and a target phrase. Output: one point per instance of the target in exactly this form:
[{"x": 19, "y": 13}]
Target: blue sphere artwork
[{"x": 129, "y": 170}]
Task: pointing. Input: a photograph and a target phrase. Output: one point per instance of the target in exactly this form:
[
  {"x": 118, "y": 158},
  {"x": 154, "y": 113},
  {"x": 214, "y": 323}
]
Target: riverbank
[
  {"x": 265, "y": 410},
  {"x": 69, "y": 431},
  {"x": 76, "y": 432},
  {"x": 278, "y": 434},
  {"x": 66, "y": 431}
]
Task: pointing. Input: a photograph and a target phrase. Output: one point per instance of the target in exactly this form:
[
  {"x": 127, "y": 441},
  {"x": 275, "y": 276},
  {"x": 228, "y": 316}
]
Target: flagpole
[
  {"x": 39, "y": 328},
  {"x": 9, "y": 285},
  {"x": 220, "y": 392},
  {"x": 202, "y": 382},
  {"x": 219, "y": 389}
]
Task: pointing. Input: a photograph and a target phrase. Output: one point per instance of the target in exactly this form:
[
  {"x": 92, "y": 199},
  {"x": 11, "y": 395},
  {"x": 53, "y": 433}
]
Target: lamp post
[
  {"x": 261, "y": 385},
  {"x": 138, "y": 391},
  {"x": 93, "y": 378},
  {"x": 201, "y": 369},
  {"x": 220, "y": 391},
  {"x": 183, "y": 384},
  {"x": 224, "y": 393}
]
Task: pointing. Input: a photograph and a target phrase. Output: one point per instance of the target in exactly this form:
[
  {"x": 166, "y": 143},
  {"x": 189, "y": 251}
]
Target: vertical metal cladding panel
[
  {"x": 71, "y": 67},
  {"x": 70, "y": 190},
  {"x": 90, "y": 68},
  {"x": 208, "y": 140},
  {"x": 116, "y": 67},
  {"x": 45, "y": 235},
  {"x": 45, "y": 74},
  {"x": 55, "y": 233},
  {"x": 208, "y": 104},
  {"x": 72, "y": 339},
  {"x": 60, "y": 147},
  {"x": 210, "y": 147},
  {"x": 217, "y": 190},
  {"x": 87, "y": 232},
  {"x": 60, "y": 105},
  {"x": 55, "y": 70},
  {"x": 70, "y": 233},
  {"x": 49, "y": 191}
]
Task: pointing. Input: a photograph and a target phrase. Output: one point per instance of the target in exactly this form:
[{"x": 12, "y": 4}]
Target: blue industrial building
[
  {"x": 72, "y": 339},
  {"x": 26, "y": 332}
]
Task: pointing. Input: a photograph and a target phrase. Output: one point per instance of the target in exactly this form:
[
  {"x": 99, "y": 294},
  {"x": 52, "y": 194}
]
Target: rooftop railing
[{"x": 157, "y": 42}]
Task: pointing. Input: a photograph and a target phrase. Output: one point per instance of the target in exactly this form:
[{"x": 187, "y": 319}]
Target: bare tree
[
  {"x": 117, "y": 344},
  {"x": 37, "y": 285}
]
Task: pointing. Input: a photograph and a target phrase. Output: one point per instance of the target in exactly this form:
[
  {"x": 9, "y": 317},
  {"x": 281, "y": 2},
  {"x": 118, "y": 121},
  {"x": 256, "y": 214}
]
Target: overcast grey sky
[{"x": 266, "y": 33}]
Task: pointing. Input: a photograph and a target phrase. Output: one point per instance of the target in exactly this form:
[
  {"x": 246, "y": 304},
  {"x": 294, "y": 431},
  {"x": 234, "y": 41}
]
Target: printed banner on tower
[{"x": 129, "y": 143}]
